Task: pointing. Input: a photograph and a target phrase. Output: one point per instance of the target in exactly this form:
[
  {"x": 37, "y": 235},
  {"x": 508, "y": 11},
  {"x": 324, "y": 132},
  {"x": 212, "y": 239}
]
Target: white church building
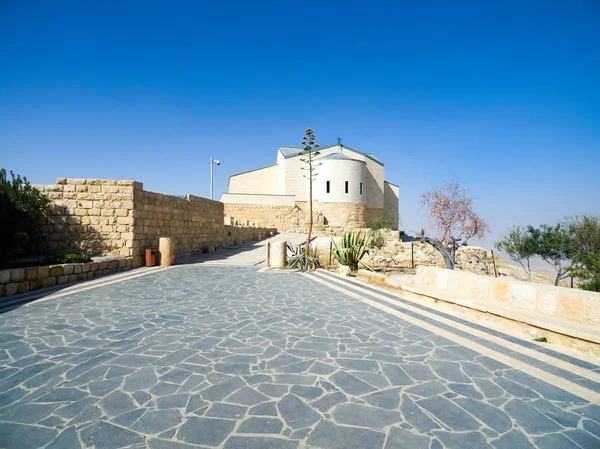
[{"x": 349, "y": 191}]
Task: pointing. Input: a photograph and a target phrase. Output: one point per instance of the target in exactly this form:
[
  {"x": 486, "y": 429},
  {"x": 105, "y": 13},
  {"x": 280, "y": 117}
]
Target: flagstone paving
[{"x": 234, "y": 358}]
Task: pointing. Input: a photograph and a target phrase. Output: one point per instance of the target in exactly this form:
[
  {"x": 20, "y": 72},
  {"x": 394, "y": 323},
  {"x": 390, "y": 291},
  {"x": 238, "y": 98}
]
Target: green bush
[
  {"x": 51, "y": 260},
  {"x": 22, "y": 208},
  {"x": 376, "y": 238},
  {"x": 352, "y": 249},
  {"x": 74, "y": 258},
  {"x": 381, "y": 223}
]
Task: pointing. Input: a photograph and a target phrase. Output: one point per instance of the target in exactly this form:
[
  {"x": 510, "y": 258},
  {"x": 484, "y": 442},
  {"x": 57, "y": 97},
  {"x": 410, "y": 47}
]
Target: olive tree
[
  {"x": 552, "y": 245},
  {"x": 584, "y": 241},
  {"x": 520, "y": 246}
]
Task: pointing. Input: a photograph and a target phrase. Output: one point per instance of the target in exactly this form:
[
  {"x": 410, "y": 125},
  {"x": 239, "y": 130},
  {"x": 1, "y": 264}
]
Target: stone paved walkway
[
  {"x": 230, "y": 357},
  {"x": 247, "y": 254}
]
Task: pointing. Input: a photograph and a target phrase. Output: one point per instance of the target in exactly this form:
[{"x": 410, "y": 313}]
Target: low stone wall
[
  {"x": 235, "y": 235},
  {"x": 578, "y": 306},
  {"x": 283, "y": 218},
  {"x": 22, "y": 280}
]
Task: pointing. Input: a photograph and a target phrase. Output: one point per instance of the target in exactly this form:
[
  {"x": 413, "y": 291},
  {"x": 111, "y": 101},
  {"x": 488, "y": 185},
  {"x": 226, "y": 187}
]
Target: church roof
[
  {"x": 289, "y": 152},
  {"x": 339, "y": 156}
]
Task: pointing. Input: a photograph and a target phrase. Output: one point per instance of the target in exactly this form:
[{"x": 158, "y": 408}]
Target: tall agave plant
[{"x": 351, "y": 250}]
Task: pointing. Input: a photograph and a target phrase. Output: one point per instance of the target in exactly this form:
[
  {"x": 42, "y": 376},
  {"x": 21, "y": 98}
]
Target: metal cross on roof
[{"x": 339, "y": 139}]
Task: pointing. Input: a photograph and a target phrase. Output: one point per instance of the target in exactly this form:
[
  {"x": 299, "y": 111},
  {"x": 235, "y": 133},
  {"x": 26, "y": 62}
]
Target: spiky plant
[
  {"x": 298, "y": 258},
  {"x": 351, "y": 250}
]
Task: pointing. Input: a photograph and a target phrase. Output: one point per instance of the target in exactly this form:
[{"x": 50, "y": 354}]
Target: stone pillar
[
  {"x": 166, "y": 251},
  {"x": 278, "y": 254}
]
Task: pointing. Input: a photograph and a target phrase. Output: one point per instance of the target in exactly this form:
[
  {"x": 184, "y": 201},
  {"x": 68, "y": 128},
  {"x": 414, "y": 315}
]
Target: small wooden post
[
  {"x": 494, "y": 262},
  {"x": 412, "y": 253},
  {"x": 571, "y": 281},
  {"x": 330, "y": 250},
  {"x": 269, "y": 254}
]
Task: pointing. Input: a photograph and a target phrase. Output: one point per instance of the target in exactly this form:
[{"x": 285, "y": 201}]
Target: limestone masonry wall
[
  {"x": 90, "y": 216},
  {"x": 95, "y": 216},
  {"x": 343, "y": 215},
  {"x": 578, "y": 306},
  {"x": 193, "y": 223},
  {"x": 329, "y": 218},
  {"x": 284, "y": 218}
]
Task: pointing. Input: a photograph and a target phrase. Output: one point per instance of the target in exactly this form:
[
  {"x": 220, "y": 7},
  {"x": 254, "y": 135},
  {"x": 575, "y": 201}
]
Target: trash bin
[{"x": 151, "y": 257}]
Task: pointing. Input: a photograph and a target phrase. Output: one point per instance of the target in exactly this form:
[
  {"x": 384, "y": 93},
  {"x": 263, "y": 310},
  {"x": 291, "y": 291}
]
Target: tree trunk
[
  {"x": 448, "y": 259},
  {"x": 310, "y": 207},
  {"x": 528, "y": 271},
  {"x": 560, "y": 276}
]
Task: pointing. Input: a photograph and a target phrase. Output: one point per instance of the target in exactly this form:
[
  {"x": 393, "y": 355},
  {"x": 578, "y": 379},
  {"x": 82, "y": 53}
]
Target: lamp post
[{"x": 212, "y": 162}]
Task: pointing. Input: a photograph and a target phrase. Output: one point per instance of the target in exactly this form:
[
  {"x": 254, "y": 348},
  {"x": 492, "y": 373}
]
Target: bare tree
[
  {"x": 309, "y": 151},
  {"x": 451, "y": 214}
]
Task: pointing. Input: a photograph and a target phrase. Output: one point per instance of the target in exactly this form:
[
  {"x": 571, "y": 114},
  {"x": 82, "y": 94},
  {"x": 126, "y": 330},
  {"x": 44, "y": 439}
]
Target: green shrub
[
  {"x": 352, "y": 249},
  {"x": 381, "y": 223},
  {"x": 22, "y": 208},
  {"x": 74, "y": 258},
  {"x": 51, "y": 260},
  {"x": 376, "y": 238}
]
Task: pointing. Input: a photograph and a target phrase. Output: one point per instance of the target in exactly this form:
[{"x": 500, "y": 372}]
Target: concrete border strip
[
  {"x": 559, "y": 382},
  {"x": 509, "y": 345}
]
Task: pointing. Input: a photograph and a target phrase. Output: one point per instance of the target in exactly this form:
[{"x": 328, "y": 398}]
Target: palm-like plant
[
  {"x": 301, "y": 259},
  {"x": 352, "y": 249}
]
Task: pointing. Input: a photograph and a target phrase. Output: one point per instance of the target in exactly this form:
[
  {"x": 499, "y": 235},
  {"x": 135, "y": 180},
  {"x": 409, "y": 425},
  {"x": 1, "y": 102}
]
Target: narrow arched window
[
  {"x": 346, "y": 186},
  {"x": 327, "y": 187}
]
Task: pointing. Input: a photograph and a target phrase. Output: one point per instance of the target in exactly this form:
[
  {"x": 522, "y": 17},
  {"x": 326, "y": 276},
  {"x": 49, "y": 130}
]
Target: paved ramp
[{"x": 248, "y": 254}]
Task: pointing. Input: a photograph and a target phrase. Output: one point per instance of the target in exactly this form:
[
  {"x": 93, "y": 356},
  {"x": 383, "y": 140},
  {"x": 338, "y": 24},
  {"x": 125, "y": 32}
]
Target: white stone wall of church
[
  {"x": 337, "y": 172},
  {"x": 261, "y": 181},
  {"x": 374, "y": 184}
]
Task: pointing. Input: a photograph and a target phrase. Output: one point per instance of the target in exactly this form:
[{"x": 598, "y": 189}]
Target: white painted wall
[
  {"x": 268, "y": 200},
  {"x": 337, "y": 172},
  {"x": 264, "y": 181},
  {"x": 391, "y": 199}
]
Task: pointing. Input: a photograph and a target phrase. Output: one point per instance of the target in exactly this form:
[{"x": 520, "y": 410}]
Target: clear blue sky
[{"x": 504, "y": 96}]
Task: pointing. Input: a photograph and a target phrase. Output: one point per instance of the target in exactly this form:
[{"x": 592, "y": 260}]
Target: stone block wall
[
  {"x": 329, "y": 218},
  {"x": 342, "y": 215},
  {"x": 90, "y": 216},
  {"x": 235, "y": 235},
  {"x": 578, "y": 306},
  {"x": 94, "y": 216},
  {"x": 193, "y": 223},
  {"x": 283, "y": 218},
  {"x": 373, "y": 214},
  {"x": 22, "y": 280}
]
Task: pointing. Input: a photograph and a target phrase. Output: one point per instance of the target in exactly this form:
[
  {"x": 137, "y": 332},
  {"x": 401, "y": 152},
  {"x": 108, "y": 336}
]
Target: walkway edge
[{"x": 577, "y": 390}]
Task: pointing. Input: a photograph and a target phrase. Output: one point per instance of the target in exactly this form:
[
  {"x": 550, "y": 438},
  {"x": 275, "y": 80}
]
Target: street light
[{"x": 212, "y": 162}]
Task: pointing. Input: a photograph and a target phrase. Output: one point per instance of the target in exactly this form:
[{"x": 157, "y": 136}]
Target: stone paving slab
[{"x": 229, "y": 357}]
